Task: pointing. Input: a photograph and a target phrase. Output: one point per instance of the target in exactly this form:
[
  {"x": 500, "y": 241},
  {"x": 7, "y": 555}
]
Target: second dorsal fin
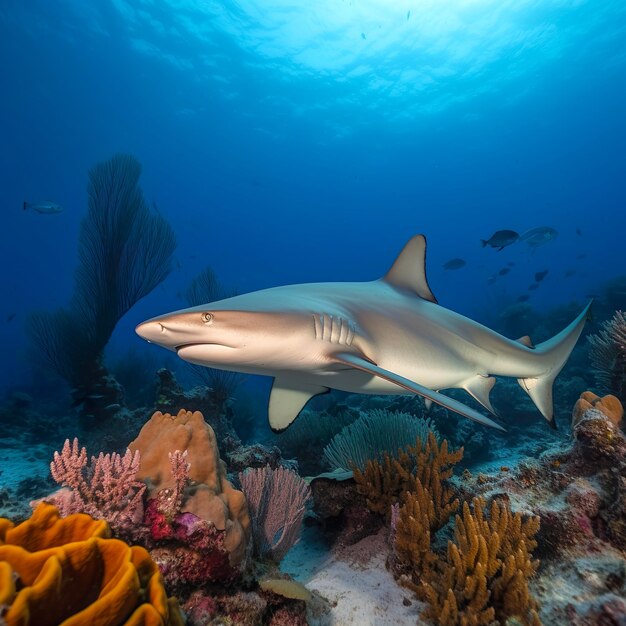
[
  {"x": 409, "y": 269},
  {"x": 526, "y": 341}
]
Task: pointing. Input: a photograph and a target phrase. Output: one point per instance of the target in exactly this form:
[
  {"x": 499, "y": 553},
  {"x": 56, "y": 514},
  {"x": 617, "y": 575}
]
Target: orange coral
[
  {"x": 387, "y": 483},
  {"x": 69, "y": 572},
  {"x": 608, "y": 405},
  {"x": 483, "y": 579},
  {"x": 209, "y": 495}
]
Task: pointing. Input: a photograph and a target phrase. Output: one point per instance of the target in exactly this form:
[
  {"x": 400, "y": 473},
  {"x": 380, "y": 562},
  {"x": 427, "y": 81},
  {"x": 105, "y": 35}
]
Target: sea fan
[{"x": 607, "y": 351}]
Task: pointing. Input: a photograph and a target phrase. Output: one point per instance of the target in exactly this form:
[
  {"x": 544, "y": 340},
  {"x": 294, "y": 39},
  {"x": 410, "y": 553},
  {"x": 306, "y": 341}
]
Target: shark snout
[{"x": 153, "y": 332}]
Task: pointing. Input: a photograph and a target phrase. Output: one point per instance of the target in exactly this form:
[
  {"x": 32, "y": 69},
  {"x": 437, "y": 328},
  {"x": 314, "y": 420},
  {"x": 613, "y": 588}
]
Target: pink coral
[{"x": 105, "y": 489}]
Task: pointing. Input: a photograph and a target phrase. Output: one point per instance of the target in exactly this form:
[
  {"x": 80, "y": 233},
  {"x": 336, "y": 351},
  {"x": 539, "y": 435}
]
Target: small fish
[
  {"x": 491, "y": 280},
  {"x": 43, "y": 207},
  {"x": 581, "y": 256},
  {"x": 363, "y": 36},
  {"x": 579, "y": 232},
  {"x": 11, "y": 317},
  {"x": 454, "y": 264},
  {"x": 504, "y": 271},
  {"x": 536, "y": 237},
  {"x": 500, "y": 239},
  {"x": 533, "y": 287},
  {"x": 523, "y": 298},
  {"x": 569, "y": 273},
  {"x": 113, "y": 407},
  {"x": 408, "y": 15},
  {"x": 511, "y": 264},
  {"x": 539, "y": 276}
]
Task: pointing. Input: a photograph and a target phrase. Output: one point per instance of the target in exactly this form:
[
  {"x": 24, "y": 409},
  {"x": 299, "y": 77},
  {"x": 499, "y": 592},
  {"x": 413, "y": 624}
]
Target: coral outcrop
[
  {"x": 578, "y": 490},
  {"x": 68, "y": 571},
  {"x": 208, "y": 494},
  {"x": 609, "y": 405}
]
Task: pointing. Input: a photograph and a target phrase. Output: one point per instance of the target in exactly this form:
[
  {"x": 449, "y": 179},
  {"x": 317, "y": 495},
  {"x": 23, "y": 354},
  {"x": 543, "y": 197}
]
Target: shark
[{"x": 385, "y": 336}]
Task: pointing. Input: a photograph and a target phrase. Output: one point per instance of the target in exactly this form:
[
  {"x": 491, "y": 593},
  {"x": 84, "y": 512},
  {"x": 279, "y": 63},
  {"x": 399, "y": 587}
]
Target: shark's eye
[{"x": 207, "y": 318}]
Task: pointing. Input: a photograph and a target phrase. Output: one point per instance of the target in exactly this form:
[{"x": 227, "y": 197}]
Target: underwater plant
[
  {"x": 374, "y": 434},
  {"x": 124, "y": 251},
  {"x": 607, "y": 351}
]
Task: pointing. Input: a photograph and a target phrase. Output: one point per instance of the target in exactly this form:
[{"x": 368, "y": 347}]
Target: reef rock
[{"x": 578, "y": 489}]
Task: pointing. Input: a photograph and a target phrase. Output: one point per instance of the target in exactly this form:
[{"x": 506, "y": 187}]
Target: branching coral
[
  {"x": 607, "y": 350},
  {"x": 484, "y": 575},
  {"x": 386, "y": 483},
  {"x": 106, "y": 489}
]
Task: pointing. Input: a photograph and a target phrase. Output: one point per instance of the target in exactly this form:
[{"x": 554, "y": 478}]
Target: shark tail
[{"x": 554, "y": 353}]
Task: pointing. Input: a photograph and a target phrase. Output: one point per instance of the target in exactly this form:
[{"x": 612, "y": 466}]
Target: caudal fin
[
  {"x": 554, "y": 353},
  {"x": 25, "y": 206}
]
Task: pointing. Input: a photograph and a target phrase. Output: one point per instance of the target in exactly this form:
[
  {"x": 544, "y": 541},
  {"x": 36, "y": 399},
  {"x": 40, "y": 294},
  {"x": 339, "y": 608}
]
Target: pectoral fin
[
  {"x": 360, "y": 363},
  {"x": 287, "y": 399}
]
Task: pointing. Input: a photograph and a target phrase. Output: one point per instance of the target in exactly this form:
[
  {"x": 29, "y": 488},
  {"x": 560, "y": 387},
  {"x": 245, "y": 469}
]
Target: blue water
[{"x": 292, "y": 141}]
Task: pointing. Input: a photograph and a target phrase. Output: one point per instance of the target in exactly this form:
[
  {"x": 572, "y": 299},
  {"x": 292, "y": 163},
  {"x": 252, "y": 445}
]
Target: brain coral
[
  {"x": 67, "y": 572},
  {"x": 209, "y": 496}
]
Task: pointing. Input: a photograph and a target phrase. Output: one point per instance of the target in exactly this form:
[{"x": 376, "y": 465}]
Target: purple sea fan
[
  {"x": 277, "y": 502},
  {"x": 608, "y": 355},
  {"x": 107, "y": 488}
]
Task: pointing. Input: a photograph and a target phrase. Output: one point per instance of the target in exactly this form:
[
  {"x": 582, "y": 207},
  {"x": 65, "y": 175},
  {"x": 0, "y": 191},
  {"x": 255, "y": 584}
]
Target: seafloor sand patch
[{"x": 354, "y": 581}]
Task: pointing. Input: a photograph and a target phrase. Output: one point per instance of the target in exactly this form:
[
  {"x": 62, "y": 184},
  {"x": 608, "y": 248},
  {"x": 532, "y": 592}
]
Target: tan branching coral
[
  {"x": 385, "y": 483},
  {"x": 483, "y": 578}
]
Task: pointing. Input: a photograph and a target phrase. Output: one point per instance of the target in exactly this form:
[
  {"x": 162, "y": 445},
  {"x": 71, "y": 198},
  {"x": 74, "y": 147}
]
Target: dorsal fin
[
  {"x": 526, "y": 341},
  {"x": 409, "y": 269}
]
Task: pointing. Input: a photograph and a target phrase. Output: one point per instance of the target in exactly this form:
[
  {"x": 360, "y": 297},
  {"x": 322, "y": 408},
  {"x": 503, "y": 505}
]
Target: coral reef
[
  {"x": 277, "y": 499},
  {"x": 578, "y": 490},
  {"x": 170, "y": 396},
  {"x": 54, "y": 569},
  {"x": 208, "y": 495}
]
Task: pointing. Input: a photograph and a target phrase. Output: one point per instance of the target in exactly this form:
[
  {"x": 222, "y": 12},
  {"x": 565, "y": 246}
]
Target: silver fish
[
  {"x": 539, "y": 236},
  {"x": 43, "y": 207}
]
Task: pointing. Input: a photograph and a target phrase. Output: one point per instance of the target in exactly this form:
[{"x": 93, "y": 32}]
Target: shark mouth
[{"x": 190, "y": 346}]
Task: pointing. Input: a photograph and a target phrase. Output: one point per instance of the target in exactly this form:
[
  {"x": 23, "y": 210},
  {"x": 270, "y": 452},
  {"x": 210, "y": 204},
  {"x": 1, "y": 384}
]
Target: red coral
[{"x": 188, "y": 549}]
